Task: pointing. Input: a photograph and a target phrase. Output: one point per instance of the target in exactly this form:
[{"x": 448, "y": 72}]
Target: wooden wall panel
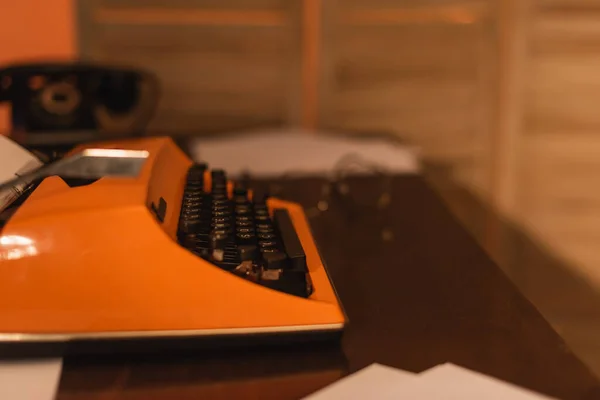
[
  {"x": 563, "y": 93},
  {"x": 559, "y": 162},
  {"x": 223, "y": 65},
  {"x": 421, "y": 70}
]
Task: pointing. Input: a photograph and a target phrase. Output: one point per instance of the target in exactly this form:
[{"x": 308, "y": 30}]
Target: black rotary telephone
[{"x": 66, "y": 102}]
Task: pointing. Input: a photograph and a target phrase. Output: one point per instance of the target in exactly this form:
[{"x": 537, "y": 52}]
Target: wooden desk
[{"x": 428, "y": 296}]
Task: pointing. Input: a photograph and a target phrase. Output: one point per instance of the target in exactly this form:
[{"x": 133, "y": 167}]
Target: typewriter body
[{"x": 176, "y": 252}]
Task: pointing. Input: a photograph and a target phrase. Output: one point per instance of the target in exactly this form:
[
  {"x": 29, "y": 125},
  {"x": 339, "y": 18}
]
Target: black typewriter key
[
  {"x": 244, "y": 230},
  {"x": 266, "y": 236},
  {"x": 259, "y": 197},
  {"x": 195, "y": 183},
  {"x": 218, "y": 214},
  {"x": 219, "y": 196},
  {"x": 274, "y": 259},
  {"x": 245, "y": 238},
  {"x": 264, "y": 228},
  {"x": 226, "y": 226},
  {"x": 221, "y": 208},
  {"x": 218, "y": 239},
  {"x": 244, "y": 224},
  {"x": 218, "y": 173},
  {"x": 261, "y": 210},
  {"x": 247, "y": 252},
  {"x": 192, "y": 202},
  {"x": 193, "y": 195},
  {"x": 195, "y": 179},
  {"x": 267, "y": 244},
  {"x": 193, "y": 187},
  {"x": 221, "y": 203},
  {"x": 240, "y": 190},
  {"x": 243, "y": 211},
  {"x": 190, "y": 224},
  {"x": 260, "y": 219},
  {"x": 223, "y": 227},
  {"x": 191, "y": 208},
  {"x": 241, "y": 200},
  {"x": 196, "y": 171},
  {"x": 188, "y": 212}
]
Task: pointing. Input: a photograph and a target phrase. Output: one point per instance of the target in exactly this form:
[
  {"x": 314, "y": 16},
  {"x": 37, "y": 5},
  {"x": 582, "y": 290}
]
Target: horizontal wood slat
[
  {"x": 563, "y": 93},
  {"x": 357, "y": 5},
  {"x": 209, "y": 41},
  {"x": 157, "y": 16},
  {"x": 222, "y": 64},
  {"x": 451, "y": 14},
  {"x": 243, "y": 5}
]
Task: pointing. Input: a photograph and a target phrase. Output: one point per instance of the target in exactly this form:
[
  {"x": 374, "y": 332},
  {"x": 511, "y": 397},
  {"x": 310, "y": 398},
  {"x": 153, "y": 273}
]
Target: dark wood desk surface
[{"x": 428, "y": 296}]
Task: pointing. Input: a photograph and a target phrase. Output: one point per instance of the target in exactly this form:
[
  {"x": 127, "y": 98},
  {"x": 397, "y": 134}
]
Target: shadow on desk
[{"x": 257, "y": 373}]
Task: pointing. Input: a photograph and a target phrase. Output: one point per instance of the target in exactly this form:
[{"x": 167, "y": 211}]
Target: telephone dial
[{"x": 70, "y": 98}]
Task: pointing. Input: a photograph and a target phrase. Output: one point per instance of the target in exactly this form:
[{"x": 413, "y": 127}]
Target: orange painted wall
[{"x": 35, "y": 29}]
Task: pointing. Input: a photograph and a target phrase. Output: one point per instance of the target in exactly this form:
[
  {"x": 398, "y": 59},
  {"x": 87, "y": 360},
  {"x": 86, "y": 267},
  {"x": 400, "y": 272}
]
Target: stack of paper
[
  {"x": 14, "y": 161},
  {"x": 442, "y": 382},
  {"x": 301, "y": 153}
]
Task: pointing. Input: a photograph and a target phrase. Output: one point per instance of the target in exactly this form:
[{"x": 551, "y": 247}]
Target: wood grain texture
[
  {"x": 423, "y": 71},
  {"x": 221, "y": 65},
  {"x": 558, "y": 199}
]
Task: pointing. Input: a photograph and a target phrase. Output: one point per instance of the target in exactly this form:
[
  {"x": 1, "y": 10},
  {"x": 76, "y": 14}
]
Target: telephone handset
[{"x": 78, "y": 96}]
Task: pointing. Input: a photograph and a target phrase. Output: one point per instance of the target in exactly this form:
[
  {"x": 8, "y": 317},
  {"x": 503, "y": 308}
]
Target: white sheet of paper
[
  {"x": 14, "y": 160},
  {"x": 276, "y": 152},
  {"x": 373, "y": 382},
  {"x": 30, "y": 380},
  {"x": 449, "y": 381},
  {"x": 443, "y": 382},
  {"x": 24, "y": 379}
]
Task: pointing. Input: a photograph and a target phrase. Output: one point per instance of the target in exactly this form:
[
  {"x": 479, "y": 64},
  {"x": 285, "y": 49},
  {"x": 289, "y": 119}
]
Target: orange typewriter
[{"x": 167, "y": 250}]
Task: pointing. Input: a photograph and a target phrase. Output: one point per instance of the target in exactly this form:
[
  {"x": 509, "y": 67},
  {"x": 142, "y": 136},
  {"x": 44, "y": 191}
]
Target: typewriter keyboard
[{"x": 240, "y": 234}]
